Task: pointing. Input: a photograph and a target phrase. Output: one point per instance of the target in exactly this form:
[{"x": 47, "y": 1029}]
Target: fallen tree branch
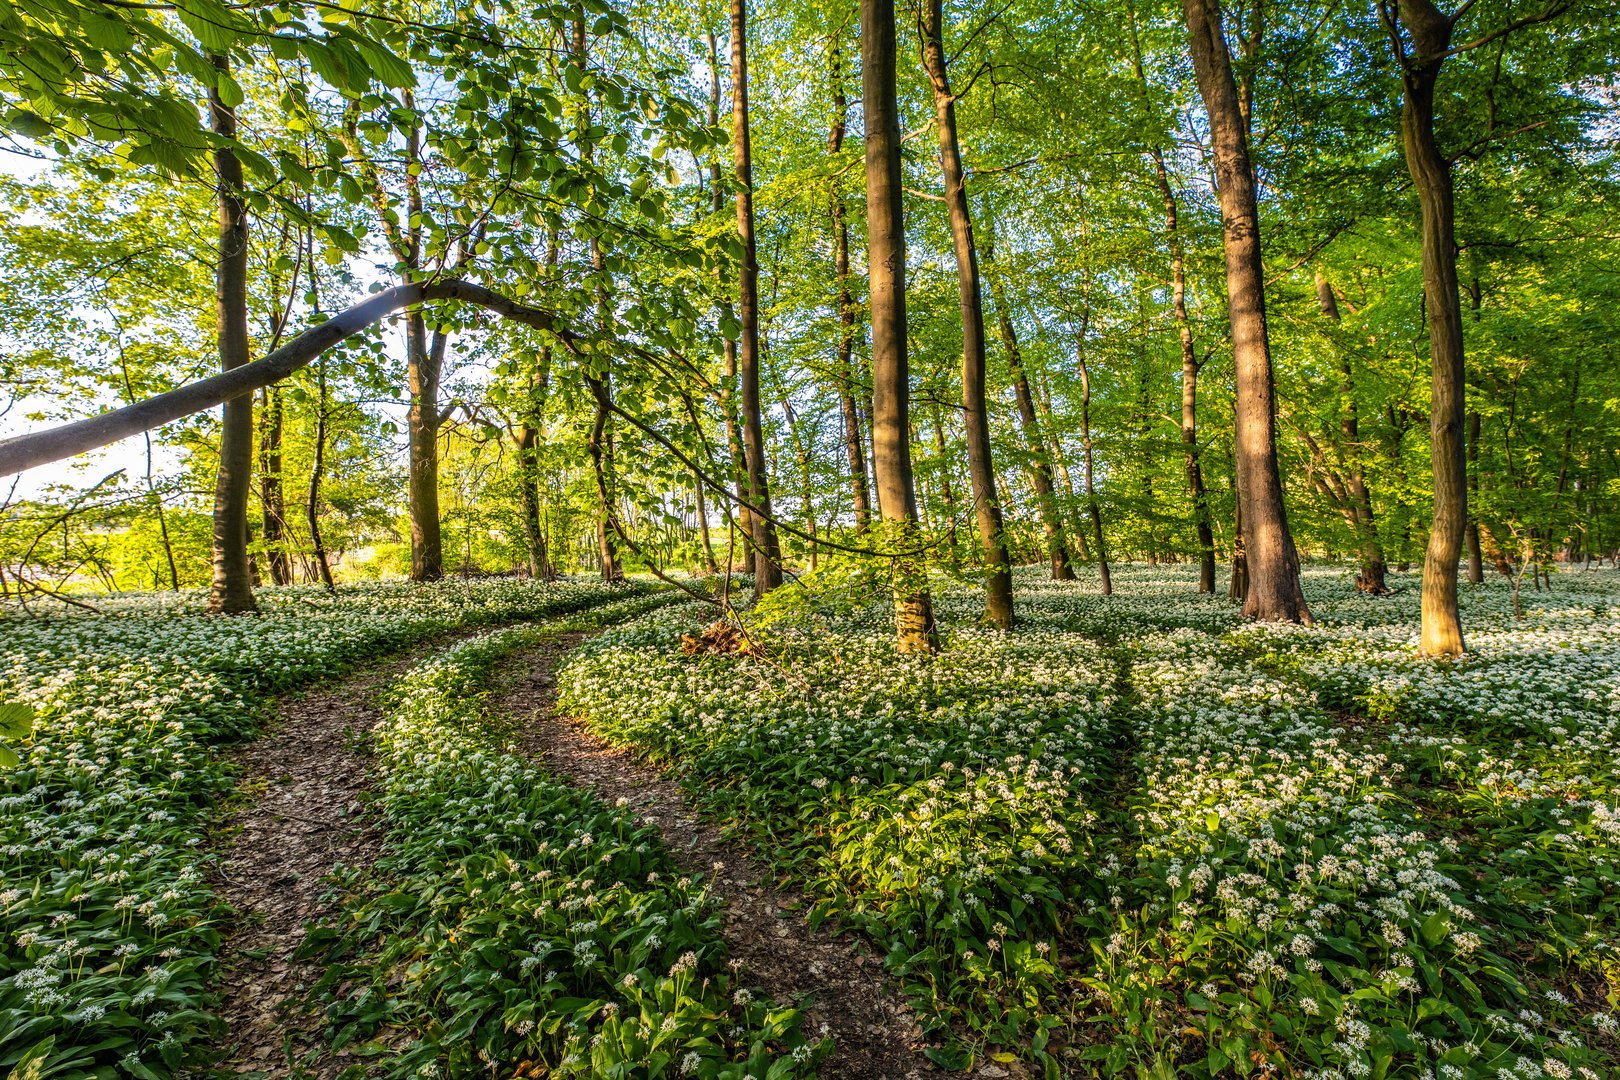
[{"x": 39, "y": 448}]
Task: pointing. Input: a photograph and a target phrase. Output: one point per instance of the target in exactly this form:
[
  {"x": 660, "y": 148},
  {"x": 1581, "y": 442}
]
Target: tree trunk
[
  {"x": 1431, "y": 174},
  {"x": 232, "y": 591},
  {"x": 1189, "y": 358},
  {"x": 595, "y": 446},
  {"x": 312, "y": 506},
  {"x": 1039, "y": 469},
  {"x": 1476, "y": 560},
  {"x": 272, "y": 496},
  {"x": 767, "y": 557},
  {"x": 891, "y": 379},
  {"x": 854, "y": 440},
  {"x": 728, "y": 407},
  {"x": 528, "y": 445},
  {"x": 1371, "y": 577},
  {"x": 1089, "y": 471},
  {"x": 1275, "y": 593},
  {"x": 975, "y": 418}
]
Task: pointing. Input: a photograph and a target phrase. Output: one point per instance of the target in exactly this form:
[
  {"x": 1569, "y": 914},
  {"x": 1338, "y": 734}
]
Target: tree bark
[
  {"x": 1430, "y": 31},
  {"x": 1275, "y": 593},
  {"x": 854, "y": 439},
  {"x": 975, "y": 417},
  {"x": 767, "y": 556},
  {"x": 1373, "y": 569},
  {"x": 232, "y": 590},
  {"x": 891, "y": 378}
]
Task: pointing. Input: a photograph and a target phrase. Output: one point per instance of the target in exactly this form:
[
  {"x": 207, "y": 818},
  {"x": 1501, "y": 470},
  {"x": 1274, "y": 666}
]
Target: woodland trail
[
  {"x": 845, "y": 991},
  {"x": 303, "y": 783}
]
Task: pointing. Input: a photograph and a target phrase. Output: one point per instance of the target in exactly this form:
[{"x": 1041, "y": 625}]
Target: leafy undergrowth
[
  {"x": 519, "y": 923},
  {"x": 109, "y": 925},
  {"x": 1137, "y": 835}
]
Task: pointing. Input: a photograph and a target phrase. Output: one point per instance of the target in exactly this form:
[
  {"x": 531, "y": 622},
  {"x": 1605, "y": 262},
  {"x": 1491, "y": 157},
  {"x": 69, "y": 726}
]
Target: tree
[
  {"x": 767, "y": 556},
  {"x": 232, "y": 590},
  {"x": 1274, "y": 592},
  {"x": 981, "y": 472},
  {"x": 891, "y": 377}
]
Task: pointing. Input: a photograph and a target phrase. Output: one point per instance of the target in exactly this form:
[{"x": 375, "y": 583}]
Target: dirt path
[
  {"x": 303, "y": 783},
  {"x": 846, "y": 992}
]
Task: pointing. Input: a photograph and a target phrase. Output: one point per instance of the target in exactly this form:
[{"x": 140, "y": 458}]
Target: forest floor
[
  {"x": 837, "y": 980},
  {"x": 301, "y": 816},
  {"x": 1138, "y": 835}
]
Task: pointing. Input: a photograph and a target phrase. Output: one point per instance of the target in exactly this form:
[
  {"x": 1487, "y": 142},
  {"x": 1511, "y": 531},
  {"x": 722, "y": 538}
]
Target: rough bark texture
[
  {"x": 975, "y": 418},
  {"x": 854, "y": 439},
  {"x": 423, "y": 367},
  {"x": 1430, "y": 31},
  {"x": 1273, "y": 564},
  {"x": 891, "y": 382},
  {"x": 767, "y": 557},
  {"x": 232, "y": 591}
]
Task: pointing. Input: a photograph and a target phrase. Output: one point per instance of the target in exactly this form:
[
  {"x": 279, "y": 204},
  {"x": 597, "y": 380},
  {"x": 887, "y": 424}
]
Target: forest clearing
[{"x": 834, "y": 539}]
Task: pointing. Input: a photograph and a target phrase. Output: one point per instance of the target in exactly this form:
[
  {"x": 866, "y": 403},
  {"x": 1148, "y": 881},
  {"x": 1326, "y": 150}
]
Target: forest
[{"x": 834, "y": 538}]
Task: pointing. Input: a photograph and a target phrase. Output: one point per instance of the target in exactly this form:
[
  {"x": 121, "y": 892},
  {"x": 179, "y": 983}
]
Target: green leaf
[{"x": 17, "y": 719}]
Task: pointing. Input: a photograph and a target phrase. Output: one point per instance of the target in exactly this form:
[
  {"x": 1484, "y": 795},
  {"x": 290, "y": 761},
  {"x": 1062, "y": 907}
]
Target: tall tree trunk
[
  {"x": 232, "y": 591},
  {"x": 1039, "y": 469},
  {"x": 1430, "y": 31},
  {"x": 728, "y": 406},
  {"x": 1371, "y": 578},
  {"x": 1275, "y": 593},
  {"x": 1088, "y": 460},
  {"x": 975, "y": 417},
  {"x": 1074, "y": 528},
  {"x": 423, "y": 369},
  {"x": 272, "y": 495},
  {"x": 1189, "y": 358},
  {"x": 312, "y": 505},
  {"x": 891, "y": 378},
  {"x": 946, "y": 494},
  {"x": 767, "y": 556},
  {"x": 854, "y": 440}
]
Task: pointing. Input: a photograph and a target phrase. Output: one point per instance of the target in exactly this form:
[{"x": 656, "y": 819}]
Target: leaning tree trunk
[
  {"x": 891, "y": 379},
  {"x": 232, "y": 591},
  {"x": 1275, "y": 593},
  {"x": 975, "y": 417},
  {"x": 1430, "y": 30},
  {"x": 854, "y": 440},
  {"x": 1373, "y": 568},
  {"x": 767, "y": 556}
]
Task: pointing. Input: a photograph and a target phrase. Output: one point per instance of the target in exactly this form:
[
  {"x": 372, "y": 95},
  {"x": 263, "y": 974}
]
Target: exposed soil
[
  {"x": 303, "y": 783},
  {"x": 838, "y": 982}
]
